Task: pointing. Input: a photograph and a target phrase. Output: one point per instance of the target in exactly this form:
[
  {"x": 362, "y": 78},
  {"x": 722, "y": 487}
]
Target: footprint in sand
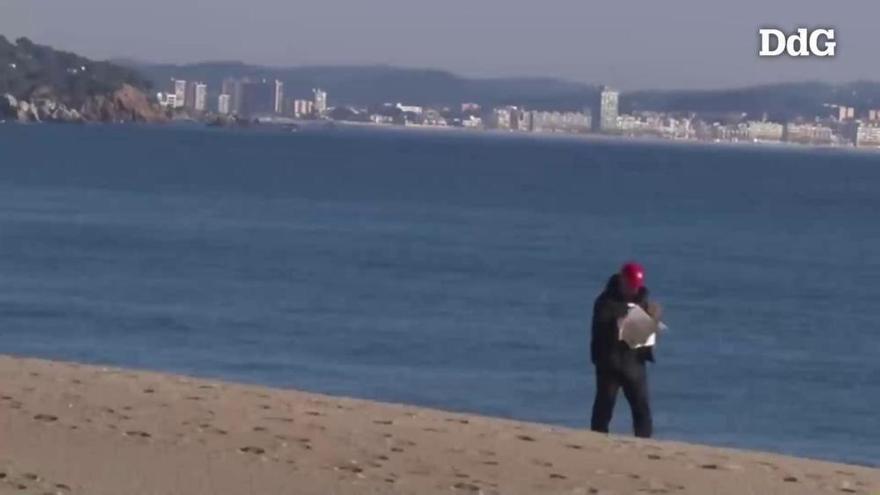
[
  {"x": 137, "y": 433},
  {"x": 525, "y": 438},
  {"x": 279, "y": 418},
  {"x": 352, "y": 468},
  {"x": 457, "y": 420},
  {"x": 260, "y": 428},
  {"x": 467, "y": 487},
  {"x": 574, "y": 446},
  {"x": 305, "y": 443},
  {"x": 315, "y": 413},
  {"x": 557, "y": 476},
  {"x": 385, "y": 422},
  {"x": 46, "y": 418},
  {"x": 790, "y": 479},
  {"x": 252, "y": 450}
]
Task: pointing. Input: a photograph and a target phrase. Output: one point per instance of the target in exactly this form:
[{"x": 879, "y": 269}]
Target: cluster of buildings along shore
[{"x": 265, "y": 101}]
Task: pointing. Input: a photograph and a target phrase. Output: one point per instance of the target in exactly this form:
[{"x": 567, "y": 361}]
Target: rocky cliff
[
  {"x": 40, "y": 84},
  {"x": 127, "y": 104}
]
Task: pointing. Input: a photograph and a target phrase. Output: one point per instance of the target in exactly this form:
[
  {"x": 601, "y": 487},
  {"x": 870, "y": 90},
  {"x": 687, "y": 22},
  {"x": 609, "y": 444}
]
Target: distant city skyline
[{"x": 629, "y": 44}]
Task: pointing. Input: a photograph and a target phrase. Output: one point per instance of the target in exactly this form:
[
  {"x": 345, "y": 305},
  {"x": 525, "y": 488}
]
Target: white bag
[{"x": 638, "y": 328}]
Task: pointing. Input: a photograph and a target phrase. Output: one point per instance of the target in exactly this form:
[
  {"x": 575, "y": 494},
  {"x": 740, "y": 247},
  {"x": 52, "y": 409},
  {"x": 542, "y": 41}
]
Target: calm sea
[{"x": 455, "y": 271}]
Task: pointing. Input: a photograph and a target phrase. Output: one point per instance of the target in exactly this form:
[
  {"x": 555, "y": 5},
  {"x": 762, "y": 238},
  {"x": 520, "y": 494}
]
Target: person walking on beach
[{"x": 618, "y": 365}]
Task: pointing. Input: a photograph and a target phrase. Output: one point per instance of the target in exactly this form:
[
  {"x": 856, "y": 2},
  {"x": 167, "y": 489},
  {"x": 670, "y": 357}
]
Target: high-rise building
[
  {"x": 279, "y": 97},
  {"x": 179, "y": 93},
  {"x": 320, "y": 101},
  {"x": 201, "y": 97},
  {"x": 190, "y": 98},
  {"x": 503, "y": 118},
  {"x": 808, "y": 133},
  {"x": 765, "y": 131},
  {"x": 234, "y": 88},
  {"x": 303, "y": 108},
  {"x": 605, "y": 110},
  {"x": 868, "y": 135},
  {"x": 224, "y": 106},
  {"x": 574, "y": 122},
  {"x": 521, "y": 120}
]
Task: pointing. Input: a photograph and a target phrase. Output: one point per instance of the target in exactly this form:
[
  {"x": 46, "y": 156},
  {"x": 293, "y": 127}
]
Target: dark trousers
[{"x": 632, "y": 375}]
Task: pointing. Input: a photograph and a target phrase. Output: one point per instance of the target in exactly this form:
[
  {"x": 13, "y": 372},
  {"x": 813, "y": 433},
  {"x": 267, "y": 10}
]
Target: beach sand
[{"x": 75, "y": 429}]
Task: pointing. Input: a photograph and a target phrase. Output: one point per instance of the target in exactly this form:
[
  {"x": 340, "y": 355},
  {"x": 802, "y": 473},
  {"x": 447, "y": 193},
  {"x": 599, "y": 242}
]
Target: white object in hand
[{"x": 638, "y": 328}]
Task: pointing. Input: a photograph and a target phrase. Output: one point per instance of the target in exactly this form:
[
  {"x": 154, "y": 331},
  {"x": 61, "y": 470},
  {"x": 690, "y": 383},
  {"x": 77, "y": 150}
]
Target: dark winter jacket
[{"x": 605, "y": 347}]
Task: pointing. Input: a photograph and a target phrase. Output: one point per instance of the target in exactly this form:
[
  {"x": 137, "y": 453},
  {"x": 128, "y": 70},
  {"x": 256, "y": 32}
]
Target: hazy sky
[{"x": 628, "y": 43}]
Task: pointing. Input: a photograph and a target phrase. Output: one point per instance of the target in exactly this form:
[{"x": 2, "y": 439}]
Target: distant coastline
[{"x": 312, "y": 125}]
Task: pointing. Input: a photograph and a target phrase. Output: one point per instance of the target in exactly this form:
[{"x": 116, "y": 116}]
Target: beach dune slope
[{"x": 74, "y": 429}]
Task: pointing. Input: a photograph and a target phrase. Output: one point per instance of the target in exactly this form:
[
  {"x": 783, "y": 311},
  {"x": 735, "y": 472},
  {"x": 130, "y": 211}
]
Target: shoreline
[
  {"x": 74, "y": 428},
  {"x": 327, "y": 126}
]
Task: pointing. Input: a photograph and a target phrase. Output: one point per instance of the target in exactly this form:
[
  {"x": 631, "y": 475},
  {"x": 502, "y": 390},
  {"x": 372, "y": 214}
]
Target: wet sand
[{"x": 74, "y": 429}]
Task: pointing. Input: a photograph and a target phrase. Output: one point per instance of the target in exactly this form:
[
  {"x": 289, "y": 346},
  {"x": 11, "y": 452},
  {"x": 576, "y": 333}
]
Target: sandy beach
[{"x": 74, "y": 429}]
